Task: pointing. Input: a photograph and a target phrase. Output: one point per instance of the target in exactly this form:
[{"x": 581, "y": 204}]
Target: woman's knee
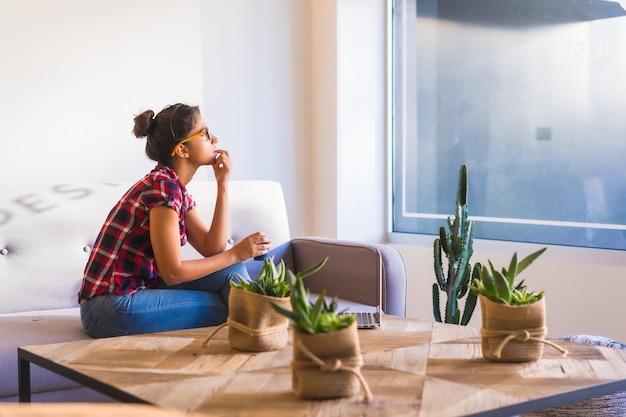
[{"x": 236, "y": 272}]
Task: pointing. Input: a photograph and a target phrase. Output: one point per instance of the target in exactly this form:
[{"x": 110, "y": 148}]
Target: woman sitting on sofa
[{"x": 135, "y": 280}]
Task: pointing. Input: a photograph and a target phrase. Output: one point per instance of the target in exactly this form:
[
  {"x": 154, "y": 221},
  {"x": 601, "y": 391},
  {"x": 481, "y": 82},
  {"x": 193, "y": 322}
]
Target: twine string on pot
[
  {"x": 523, "y": 335},
  {"x": 266, "y": 331},
  {"x": 350, "y": 364},
  {"x": 217, "y": 329}
]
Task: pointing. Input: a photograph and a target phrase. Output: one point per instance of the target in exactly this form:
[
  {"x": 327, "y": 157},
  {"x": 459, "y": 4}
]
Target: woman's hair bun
[{"x": 144, "y": 124}]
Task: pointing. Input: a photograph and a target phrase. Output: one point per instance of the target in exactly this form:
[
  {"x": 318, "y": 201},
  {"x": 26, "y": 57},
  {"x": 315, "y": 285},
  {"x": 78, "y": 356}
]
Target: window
[{"x": 532, "y": 96}]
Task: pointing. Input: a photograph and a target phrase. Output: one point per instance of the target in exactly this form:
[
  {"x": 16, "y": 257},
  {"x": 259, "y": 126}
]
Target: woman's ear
[{"x": 181, "y": 150}]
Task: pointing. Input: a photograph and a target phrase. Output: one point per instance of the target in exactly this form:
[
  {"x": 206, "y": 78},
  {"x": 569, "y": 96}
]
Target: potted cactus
[
  {"x": 253, "y": 324},
  {"x": 326, "y": 351},
  {"x": 456, "y": 244},
  {"x": 513, "y": 318}
]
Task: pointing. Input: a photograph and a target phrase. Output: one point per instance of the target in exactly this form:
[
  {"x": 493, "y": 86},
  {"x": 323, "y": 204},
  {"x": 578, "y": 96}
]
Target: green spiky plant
[
  {"x": 457, "y": 245},
  {"x": 499, "y": 286},
  {"x": 309, "y": 317},
  {"x": 271, "y": 279}
]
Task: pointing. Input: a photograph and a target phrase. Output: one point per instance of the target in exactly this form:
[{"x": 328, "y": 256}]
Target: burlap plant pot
[
  {"x": 512, "y": 333},
  {"x": 328, "y": 365},
  {"x": 253, "y": 324}
]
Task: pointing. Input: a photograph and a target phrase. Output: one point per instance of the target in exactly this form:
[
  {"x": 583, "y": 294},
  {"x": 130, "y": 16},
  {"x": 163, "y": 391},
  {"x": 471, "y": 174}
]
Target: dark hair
[{"x": 173, "y": 124}]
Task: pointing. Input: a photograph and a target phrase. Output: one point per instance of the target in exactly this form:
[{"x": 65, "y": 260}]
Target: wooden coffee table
[
  {"x": 413, "y": 367},
  {"x": 88, "y": 410}
]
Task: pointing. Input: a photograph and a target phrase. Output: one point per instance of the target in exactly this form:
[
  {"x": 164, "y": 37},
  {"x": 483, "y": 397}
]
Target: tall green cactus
[{"x": 457, "y": 246}]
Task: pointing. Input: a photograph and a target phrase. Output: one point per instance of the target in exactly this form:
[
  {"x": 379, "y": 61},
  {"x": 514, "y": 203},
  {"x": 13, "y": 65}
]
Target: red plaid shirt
[{"x": 122, "y": 260}]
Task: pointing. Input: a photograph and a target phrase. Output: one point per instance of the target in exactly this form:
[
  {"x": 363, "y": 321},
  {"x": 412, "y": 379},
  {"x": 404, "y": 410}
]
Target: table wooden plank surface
[
  {"x": 414, "y": 368},
  {"x": 89, "y": 410}
]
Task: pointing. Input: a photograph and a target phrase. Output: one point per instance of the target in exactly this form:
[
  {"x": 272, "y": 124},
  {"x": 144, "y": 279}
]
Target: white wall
[
  {"x": 348, "y": 80},
  {"x": 257, "y": 93},
  {"x": 293, "y": 88},
  {"x": 75, "y": 73}
]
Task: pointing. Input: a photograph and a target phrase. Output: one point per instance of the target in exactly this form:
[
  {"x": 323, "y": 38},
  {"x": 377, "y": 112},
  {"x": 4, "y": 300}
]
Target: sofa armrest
[
  {"x": 372, "y": 274},
  {"x": 394, "y": 280}
]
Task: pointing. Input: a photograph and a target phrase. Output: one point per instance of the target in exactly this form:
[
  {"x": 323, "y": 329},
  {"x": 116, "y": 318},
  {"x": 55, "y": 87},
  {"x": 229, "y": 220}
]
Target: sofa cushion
[
  {"x": 46, "y": 234},
  {"x": 73, "y": 395},
  {"x": 35, "y": 329}
]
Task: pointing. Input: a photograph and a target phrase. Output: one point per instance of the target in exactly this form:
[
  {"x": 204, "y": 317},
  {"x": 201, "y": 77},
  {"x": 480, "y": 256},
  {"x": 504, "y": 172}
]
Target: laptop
[{"x": 367, "y": 317}]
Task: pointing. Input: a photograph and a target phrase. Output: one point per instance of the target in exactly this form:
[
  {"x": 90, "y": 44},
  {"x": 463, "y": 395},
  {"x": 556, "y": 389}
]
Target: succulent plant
[
  {"x": 457, "y": 246},
  {"x": 270, "y": 281},
  {"x": 310, "y": 317},
  {"x": 499, "y": 286}
]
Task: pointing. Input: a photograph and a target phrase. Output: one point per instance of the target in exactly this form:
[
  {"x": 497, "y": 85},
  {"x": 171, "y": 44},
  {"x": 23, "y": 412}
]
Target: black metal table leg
[{"x": 23, "y": 378}]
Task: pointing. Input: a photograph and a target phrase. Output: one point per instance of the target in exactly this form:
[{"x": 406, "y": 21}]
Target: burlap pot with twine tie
[
  {"x": 253, "y": 324},
  {"x": 514, "y": 333},
  {"x": 328, "y": 365}
]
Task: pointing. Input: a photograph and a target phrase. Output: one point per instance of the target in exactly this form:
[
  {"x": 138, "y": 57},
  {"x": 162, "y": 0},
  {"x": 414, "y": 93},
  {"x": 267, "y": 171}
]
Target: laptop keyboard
[{"x": 364, "y": 320}]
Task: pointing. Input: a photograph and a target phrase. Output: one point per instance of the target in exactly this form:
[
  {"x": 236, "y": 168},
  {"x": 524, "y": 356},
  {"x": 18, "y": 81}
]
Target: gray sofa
[{"x": 46, "y": 234}]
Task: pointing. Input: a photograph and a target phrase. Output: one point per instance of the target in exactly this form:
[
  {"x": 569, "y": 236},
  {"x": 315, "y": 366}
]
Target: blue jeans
[{"x": 199, "y": 303}]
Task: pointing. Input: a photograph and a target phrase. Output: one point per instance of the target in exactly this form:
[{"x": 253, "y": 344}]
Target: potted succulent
[
  {"x": 513, "y": 318},
  {"x": 253, "y": 325},
  {"x": 326, "y": 351}
]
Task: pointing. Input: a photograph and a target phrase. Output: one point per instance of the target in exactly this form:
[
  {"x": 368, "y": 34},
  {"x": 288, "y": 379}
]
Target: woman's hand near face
[{"x": 222, "y": 166}]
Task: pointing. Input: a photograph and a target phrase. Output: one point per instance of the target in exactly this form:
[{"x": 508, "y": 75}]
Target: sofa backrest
[{"x": 48, "y": 230}]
